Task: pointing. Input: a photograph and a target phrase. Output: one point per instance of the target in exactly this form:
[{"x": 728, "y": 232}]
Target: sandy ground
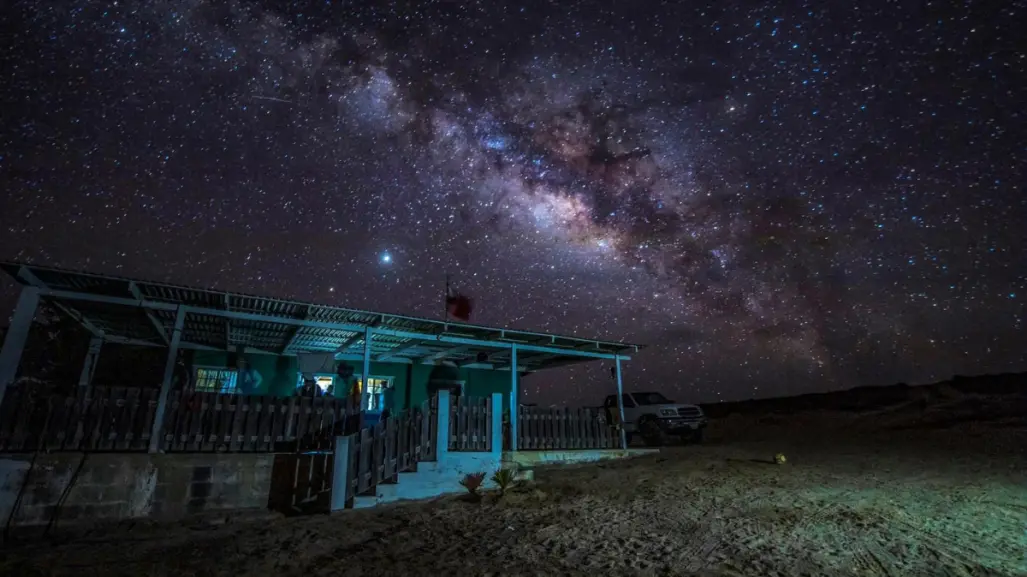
[{"x": 888, "y": 494}]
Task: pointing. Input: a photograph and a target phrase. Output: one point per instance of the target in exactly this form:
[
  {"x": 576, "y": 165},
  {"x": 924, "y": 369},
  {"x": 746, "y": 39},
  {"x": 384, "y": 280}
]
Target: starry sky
[{"x": 777, "y": 198}]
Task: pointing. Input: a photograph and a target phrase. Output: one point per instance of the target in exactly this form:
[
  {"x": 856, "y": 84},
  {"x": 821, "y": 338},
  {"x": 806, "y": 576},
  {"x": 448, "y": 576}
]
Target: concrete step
[{"x": 364, "y": 502}]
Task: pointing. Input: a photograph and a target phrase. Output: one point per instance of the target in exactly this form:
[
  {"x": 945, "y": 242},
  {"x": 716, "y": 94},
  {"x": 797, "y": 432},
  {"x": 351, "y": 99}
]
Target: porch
[
  {"x": 326, "y": 452},
  {"x": 310, "y": 463}
]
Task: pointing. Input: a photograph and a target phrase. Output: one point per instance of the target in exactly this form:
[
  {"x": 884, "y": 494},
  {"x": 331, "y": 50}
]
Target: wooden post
[
  {"x": 165, "y": 385},
  {"x": 497, "y": 423},
  {"x": 442, "y": 432},
  {"x": 620, "y": 407},
  {"x": 85, "y": 379},
  {"x": 513, "y": 397},
  {"x": 340, "y": 474},
  {"x": 17, "y": 334}
]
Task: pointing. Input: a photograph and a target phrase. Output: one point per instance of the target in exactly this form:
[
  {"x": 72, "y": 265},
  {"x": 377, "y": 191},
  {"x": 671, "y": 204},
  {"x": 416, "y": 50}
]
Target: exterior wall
[
  {"x": 124, "y": 486},
  {"x": 280, "y": 374}
]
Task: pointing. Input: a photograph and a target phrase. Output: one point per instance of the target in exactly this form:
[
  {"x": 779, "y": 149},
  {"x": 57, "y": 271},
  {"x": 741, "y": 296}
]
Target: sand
[{"x": 900, "y": 492}]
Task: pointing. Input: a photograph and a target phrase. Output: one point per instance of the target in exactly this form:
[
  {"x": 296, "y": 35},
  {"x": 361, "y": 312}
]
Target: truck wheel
[{"x": 651, "y": 433}]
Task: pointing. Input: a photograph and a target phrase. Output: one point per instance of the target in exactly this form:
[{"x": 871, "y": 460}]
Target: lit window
[
  {"x": 322, "y": 381},
  {"x": 376, "y": 392},
  {"x": 212, "y": 380}
]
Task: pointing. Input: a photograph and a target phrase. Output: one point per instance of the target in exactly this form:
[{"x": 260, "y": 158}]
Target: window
[
  {"x": 652, "y": 399},
  {"x": 216, "y": 380},
  {"x": 322, "y": 381},
  {"x": 376, "y": 392}
]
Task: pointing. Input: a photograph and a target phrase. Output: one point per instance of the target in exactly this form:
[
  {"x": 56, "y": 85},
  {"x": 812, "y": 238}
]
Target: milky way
[{"x": 777, "y": 200}]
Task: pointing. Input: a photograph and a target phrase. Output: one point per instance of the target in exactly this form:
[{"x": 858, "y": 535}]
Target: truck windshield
[{"x": 651, "y": 399}]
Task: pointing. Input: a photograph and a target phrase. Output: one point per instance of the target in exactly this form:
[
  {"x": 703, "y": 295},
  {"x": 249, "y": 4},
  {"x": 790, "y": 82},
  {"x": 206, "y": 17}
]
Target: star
[{"x": 769, "y": 216}]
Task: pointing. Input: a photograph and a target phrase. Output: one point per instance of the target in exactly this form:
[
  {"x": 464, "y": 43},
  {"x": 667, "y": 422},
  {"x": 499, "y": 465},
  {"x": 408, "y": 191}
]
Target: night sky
[{"x": 777, "y": 198}]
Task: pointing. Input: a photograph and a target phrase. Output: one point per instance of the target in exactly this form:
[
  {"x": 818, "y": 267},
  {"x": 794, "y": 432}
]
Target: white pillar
[
  {"x": 17, "y": 334},
  {"x": 85, "y": 379},
  {"x": 620, "y": 407},
  {"x": 442, "y": 430},
  {"x": 513, "y": 397},
  {"x": 366, "y": 376},
  {"x": 340, "y": 473},
  {"x": 165, "y": 385}
]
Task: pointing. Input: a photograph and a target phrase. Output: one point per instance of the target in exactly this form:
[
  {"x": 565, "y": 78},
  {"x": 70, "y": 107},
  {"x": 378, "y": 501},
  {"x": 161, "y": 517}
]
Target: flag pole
[{"x": 445, "y": 300}]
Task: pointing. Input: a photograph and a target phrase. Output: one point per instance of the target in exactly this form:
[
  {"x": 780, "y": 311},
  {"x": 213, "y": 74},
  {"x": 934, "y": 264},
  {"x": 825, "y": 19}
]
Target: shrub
[
  {"x": 472, "y": 481},
  {"x": 504, "y": 479}
]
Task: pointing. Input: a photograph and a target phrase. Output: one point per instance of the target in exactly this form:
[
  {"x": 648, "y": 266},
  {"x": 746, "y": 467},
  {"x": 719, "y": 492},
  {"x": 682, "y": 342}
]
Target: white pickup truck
[{"x": 655, "y": 417}]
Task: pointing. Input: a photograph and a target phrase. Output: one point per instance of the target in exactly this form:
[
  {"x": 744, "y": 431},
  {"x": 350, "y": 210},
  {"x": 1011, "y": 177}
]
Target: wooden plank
[
  {"x": 250, "y": 419},
  {"x": 129, "y": 397},
  {"x": 303, "y": 419},
  {"x": 278, "y": 409},
  {"x": 378, "y": 454},
  {"x": 139, "y": 406},
  {"x": 352, "y": 471},
  {"x": 264, "y": 415},
  {"x": 389, "y": 470},
  {"x": 289, "y": 430},
  {"x": 365, "y": 472},
  {"x": 487, "y": 419}
]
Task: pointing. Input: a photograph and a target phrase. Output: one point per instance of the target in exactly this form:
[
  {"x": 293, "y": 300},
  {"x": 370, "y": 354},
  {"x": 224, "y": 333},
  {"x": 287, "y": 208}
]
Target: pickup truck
[{"x": 655, "y": 418}]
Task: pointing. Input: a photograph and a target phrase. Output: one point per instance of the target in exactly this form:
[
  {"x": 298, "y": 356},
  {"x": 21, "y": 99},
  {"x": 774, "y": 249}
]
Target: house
[
  {"x": 246, "y": 363},
  {"x": 218, "y": 335}
]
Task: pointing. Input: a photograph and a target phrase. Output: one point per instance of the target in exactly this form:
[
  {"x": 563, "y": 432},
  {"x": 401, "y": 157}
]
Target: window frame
[
  {"x": 299, "y": 379},
  {"x": 221, "y": 391},
  {"x": 389, "y": 381}
]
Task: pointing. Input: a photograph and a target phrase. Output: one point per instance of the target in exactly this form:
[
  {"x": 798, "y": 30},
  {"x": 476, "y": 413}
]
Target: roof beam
[
  {"x": 398, "y": 351},
  {"x": 444, "y": 353},
  {"x": 295, "y": 333},
  {"x": 352, "y": 328},
  {"x": 498, "y": 344},
  {"x": 489, "y": 360},
  {"x": 133, "y": 288},
  {"x": 32, "y": 280},
  {"x": 430, "y": 325},
  {"x": 357, "y": 338},
  {"x": 228, "y": 323}
]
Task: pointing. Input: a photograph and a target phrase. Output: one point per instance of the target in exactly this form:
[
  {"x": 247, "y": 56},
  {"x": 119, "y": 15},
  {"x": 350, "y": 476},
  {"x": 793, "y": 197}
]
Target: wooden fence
[
  {"x": 121, "y": 419},
  {"x": 378, "y": 454},
  {"x": 470, "y": 423},
  {"x": 541, "y": 429},
  {"x": 209, "y": 422},
  {"x": 94, "y": 419}
]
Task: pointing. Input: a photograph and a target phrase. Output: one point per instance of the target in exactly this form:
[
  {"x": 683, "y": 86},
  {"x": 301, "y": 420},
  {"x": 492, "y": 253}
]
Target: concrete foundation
[{"x": 113, "y": 487}]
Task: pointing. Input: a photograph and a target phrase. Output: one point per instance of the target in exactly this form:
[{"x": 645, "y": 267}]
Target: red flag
[{"x": 458, "y": 306}]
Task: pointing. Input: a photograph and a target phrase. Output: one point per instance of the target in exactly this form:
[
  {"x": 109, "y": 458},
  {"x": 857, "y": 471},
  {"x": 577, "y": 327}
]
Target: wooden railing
[
  {"x": 121, "y": 419},
  {"x": 470, "y": 423},
  {"x": 209, "y": 422},
  {"x": 540, "y": 429},
  {"x": 93, "y": 419},
  {"x": 378, "y": 454}
]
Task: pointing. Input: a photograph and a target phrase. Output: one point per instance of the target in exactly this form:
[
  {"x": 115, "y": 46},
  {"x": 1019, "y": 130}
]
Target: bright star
[{"x": 386, "y": 258}]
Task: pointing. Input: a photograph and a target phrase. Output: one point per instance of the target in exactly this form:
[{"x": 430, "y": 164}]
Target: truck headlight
[{"x": 668, "y": 413}]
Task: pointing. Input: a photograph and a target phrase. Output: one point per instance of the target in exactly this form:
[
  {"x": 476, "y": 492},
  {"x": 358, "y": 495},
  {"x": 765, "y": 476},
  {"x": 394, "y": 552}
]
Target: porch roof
[{"x": 139, "y": 312}]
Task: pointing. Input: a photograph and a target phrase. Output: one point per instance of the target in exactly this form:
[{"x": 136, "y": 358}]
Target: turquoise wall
[{"x": 280, "y": 374}]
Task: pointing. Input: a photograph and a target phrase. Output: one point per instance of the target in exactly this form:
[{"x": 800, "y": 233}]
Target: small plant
[
  {"x": 504, "y": 479},
  {"x": 780, "y": 459},
  {"x": 472, "y": 482}
]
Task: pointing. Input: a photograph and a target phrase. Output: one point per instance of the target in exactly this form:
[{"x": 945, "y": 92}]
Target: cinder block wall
[{"x": 124, "y": 486}]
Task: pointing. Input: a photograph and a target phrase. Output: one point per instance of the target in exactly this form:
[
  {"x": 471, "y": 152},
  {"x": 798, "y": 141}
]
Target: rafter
[{"x": 157, "y": 325}]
